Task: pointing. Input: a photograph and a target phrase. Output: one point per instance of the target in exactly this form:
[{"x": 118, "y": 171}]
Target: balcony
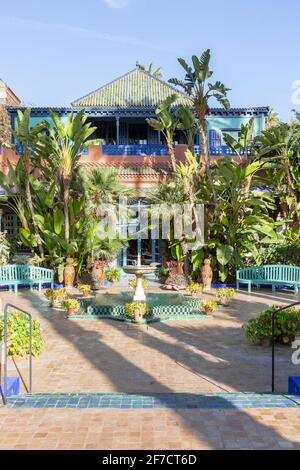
[{"x": 142, "y": 150}]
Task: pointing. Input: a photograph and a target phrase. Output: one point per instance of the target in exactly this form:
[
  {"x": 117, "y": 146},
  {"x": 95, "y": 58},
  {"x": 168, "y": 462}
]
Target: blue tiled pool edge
[{"x": 154, "y": 401}]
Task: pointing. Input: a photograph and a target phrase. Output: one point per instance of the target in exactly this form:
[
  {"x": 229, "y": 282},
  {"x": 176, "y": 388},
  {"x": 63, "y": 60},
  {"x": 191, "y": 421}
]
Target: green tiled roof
[{"x": 136, "y": 89}]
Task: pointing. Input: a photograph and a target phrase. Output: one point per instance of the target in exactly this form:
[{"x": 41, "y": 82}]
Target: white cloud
[
  {"x": 117, "y": 3},
  {"x": 64, "y": 29}
]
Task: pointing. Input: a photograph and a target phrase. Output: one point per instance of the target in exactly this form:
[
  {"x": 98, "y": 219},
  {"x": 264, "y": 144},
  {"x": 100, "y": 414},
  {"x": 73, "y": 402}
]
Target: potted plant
[
  {"x": 209, "y": 306},
  {"x": 71, "y": 305},
  {"x": 224, "y": 295},
  {"x": 194, "y": 289},
  {"x": 55, "y": 296},
  {"x": 85, "y": 289},
  {"x": 113, "y": 275},
  {"x": 132, "y": 284},
  {"x": 163, "y": 274},
  {"x": 136, "y": 310}
]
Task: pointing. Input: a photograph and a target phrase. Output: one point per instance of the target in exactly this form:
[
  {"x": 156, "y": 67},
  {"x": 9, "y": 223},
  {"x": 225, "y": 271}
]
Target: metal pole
[
  {"x": 273, "y": 352},
  {"x": 5, "y": 359}
]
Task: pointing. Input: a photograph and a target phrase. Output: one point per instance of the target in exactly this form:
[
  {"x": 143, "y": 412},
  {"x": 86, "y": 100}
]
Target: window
[{"x": 10, "y": 224}]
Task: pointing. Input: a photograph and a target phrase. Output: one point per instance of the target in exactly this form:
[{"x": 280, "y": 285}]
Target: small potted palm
[
  {"x": 225, "y": 295},
  {"x": 137, "y": 311},
  {"x": 72, "y": 306},
  {"x": 55, "y": 296},
  {"x": 209, "y": 306},
  {"x": 194, "y": 289},
  {"x": 85, "y": 289}
]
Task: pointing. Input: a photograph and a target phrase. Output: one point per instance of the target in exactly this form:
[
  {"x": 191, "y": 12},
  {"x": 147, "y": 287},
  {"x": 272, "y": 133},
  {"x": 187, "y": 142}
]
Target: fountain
[{"x": 139, "y": 272}]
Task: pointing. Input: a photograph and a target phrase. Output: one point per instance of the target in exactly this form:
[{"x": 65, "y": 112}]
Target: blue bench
[
  {"x": 13, "y": 276},
  {"x": 274, "y": 275}
]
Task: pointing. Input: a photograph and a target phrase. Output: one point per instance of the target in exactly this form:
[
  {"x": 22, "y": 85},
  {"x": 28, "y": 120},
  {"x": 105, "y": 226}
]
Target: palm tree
[
  {"x": 30, "y": 140},
  {"x": 157, "y": 73},
  {"x": 280, "y": 152},
  {"x": 272, "y": 120},
  {"x": 196, "y": 85},
  {"x": 243, "y": 146},
  {"x": 169, "y": 119},
  {"x": 103, "y": 186},
  {"x": 65, "y": 146}
]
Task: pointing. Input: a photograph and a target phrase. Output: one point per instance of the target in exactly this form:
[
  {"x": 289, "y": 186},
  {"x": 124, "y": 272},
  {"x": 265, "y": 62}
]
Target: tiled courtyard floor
[{"x": 173, "y": 357}]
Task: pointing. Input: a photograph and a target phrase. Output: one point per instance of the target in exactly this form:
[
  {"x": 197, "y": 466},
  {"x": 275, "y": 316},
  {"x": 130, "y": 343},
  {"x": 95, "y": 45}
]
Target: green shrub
[
  {"x": 18, "y": 335},
  {"x": 113, "y": 275},
  {"x": 287, "y": 325},
  {"x": 281, "y": 254},
  {"x": 194, "y": 288},
  {"x": 225, "y": 293},
  {"x": 131, "y": 308}
]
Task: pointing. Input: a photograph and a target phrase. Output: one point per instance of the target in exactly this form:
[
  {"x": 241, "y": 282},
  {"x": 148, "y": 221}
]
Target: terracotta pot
[
  {"x": 69, "y": 273},
  {"x": 224, "y": 301},
  {"x": 138, "y": 318},
  {"x": 86, "y": 294},
  {"x": 99, "y": 269},
  {"x": 71, "y": 312},
  {"x": 208, "y": 311},
  {"x": 176, "y": 267}
]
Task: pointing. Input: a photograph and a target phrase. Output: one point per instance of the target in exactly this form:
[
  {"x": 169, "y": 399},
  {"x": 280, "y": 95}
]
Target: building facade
[{"x": 136, "y": 151}]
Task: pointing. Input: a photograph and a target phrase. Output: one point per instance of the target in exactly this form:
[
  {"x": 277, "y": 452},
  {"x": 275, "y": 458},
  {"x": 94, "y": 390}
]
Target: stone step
[{"x": 154, "y": 401}]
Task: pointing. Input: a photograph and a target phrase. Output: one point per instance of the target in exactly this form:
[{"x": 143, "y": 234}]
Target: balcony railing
[
  {"x": 221, "y": 151},
  {"x": 140, "y": 150}
]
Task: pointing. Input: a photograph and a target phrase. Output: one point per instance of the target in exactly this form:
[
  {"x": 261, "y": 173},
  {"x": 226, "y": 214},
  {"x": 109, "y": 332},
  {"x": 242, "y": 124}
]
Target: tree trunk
[
  {"x": 186, "y": 260},
  {"x": 31, "y": 210},
  {"x": 172, "y": 156},
  {"x": 202, "y": 125},
  {"x": 66, "y": 212}
]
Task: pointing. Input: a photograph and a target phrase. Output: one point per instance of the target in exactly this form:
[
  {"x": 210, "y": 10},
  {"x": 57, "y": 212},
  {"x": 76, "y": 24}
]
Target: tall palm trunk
[
  {"x": 203, "y": 132},
  {"x": 66, "y": 211},
  {"x": 31, "y": 209}
]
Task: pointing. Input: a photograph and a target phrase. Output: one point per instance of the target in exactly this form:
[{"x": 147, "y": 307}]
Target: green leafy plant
[
  {"x": 132, "y": 284},
  {"x": 163, "y": 273},
  {"x": 18, "y": 335},
  {"x": 4, "y": 249},
  {"x": 132, "y": 307},
  {"x": 209, "y": 305},
  {"x": 287, "y": 325},
  {"x": 113, "y": 275},
  {"x": 55, "y": 295},
  {"x": 225, "y": 293},
  {"x": 194, "y": 288},
  {"x": 84, "y": 288},
  {"x": 71, "y": 304}
]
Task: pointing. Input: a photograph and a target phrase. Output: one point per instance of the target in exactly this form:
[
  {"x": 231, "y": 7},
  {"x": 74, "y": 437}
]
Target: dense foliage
[
  {"x": 287, "y": 325},
  {"x": 18, "y": 335}
]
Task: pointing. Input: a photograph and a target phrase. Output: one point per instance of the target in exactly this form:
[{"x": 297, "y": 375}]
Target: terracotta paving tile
[{"x": 178, "y": 356}]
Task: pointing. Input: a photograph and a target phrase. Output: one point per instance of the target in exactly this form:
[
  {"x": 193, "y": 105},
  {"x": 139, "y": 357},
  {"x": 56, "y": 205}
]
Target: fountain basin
[
  {"x": 162, "y": 306},
  {"x": 139, "y": 271}
]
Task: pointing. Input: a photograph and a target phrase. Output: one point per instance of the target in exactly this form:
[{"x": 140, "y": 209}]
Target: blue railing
[
  {"x": 138, "y": 149},
  {"x": 221, "y": 150}
]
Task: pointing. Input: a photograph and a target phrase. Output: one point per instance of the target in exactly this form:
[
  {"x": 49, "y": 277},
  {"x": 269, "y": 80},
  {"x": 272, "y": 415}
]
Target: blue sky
[{"x": 58, "y": 51}]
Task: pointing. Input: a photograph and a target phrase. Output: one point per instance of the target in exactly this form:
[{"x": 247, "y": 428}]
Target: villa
[{"x": 130, "y": 146}]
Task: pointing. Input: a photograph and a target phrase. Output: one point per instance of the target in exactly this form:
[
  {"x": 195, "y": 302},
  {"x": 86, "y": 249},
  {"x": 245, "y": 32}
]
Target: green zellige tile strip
[{"x": 154, "y": 401}]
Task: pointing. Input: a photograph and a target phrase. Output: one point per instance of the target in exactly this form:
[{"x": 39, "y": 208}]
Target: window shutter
[{"x": 215, "y": 138}]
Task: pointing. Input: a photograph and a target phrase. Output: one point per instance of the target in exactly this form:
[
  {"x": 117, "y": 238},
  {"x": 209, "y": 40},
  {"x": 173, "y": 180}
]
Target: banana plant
[{"x": 197, "y": 86}]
